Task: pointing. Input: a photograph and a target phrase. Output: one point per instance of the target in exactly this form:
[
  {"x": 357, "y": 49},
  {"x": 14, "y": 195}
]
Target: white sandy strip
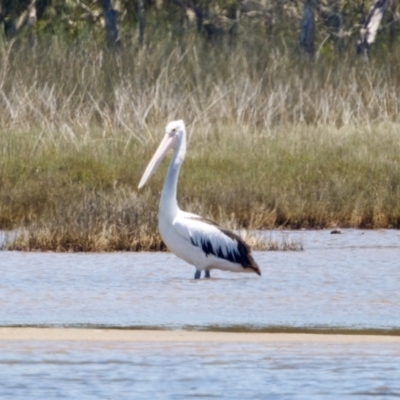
[{"x": 117, "y": 335}]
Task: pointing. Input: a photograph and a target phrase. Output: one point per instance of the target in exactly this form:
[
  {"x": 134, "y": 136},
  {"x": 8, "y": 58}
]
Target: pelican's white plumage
[{"x": 198, "y": 241}]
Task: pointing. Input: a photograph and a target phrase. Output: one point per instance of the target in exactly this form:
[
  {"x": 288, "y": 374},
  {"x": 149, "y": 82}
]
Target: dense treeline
[{"x": 315, "y": 25}]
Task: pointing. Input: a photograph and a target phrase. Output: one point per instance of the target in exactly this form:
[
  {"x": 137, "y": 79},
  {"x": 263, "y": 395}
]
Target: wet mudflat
[{"x": 347, "y": 281}]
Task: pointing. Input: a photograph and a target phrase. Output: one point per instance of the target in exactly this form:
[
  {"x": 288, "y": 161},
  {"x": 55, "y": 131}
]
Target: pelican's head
[
  {"x": 174, "y": 132},
  {"x": 175, "y": 127}
]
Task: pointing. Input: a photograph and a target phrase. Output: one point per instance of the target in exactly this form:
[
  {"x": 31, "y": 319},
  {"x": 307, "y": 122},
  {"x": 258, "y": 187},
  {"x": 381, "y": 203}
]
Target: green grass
[
  {"x": 275, "y": 141},
  {"x": 293, "y": 177}
]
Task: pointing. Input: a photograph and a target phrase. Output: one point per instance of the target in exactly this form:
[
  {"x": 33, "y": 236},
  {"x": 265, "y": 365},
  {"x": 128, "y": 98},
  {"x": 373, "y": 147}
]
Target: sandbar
[{"x": 141, "y": 335}]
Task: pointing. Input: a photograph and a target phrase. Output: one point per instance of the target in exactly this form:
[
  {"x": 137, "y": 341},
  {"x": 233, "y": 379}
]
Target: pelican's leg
[
  {"x": 207, "y": 275},
  {"x": 197, "y": 274}
]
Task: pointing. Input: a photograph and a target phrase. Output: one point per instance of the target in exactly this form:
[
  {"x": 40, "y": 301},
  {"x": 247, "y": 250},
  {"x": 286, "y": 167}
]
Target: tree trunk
[
  {"x": 199, "y": 12},
  {"x": 110, "y": 21},
  {"x": 141, "y": 22},
  {"x": 307, "y": 30},
  {"x": 371, "y": 25}
]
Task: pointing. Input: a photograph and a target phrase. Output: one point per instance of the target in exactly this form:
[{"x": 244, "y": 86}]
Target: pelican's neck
[{"x": 168, "y": 203}]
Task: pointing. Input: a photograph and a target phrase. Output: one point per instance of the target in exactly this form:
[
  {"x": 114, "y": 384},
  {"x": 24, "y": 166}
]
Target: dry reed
[{"x": 274, "y": 140}]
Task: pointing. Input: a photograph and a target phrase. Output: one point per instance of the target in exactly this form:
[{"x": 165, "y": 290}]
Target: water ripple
[{"x": 328, "y": 285}]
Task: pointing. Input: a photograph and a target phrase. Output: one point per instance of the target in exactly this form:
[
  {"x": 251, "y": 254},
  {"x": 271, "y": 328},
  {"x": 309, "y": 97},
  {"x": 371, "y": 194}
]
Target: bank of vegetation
[{"x": 276, "y": 139}]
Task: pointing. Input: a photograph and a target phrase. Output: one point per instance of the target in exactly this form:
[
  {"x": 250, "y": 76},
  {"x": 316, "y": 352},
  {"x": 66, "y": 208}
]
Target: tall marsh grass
[{"x": 274, "y": 140}]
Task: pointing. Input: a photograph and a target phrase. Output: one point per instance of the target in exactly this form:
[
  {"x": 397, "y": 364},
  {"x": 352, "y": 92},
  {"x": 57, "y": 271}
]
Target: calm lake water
[
  {"x": 339, "y": 281},
  {"x": 348, "y": 281},
  {"x": 182, "y": 371}
]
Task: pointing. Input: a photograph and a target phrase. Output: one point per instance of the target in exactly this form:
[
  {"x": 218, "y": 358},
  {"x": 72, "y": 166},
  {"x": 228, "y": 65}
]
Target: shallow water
[
  {"x": 346, "y": 281},
  {"x": 54, "y": 370},
  {"x": 338, "y": 281}
]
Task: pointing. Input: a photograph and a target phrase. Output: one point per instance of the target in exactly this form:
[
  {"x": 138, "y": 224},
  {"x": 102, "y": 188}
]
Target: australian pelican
[{"x": 196, "y": 240}]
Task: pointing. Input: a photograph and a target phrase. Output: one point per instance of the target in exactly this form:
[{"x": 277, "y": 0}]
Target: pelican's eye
[{"x": 174, "y": 130}]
